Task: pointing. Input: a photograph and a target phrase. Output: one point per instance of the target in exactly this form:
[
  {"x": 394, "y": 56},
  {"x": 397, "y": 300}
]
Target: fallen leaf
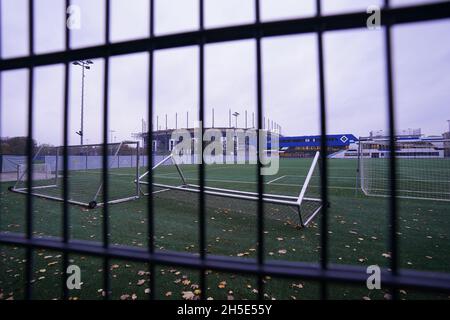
[
  {"x": 298, "y": 286},
  {"x": 188, "y": 295},
  {"x": 140, "y": 282},
  {"x": 186, "y": 282}
]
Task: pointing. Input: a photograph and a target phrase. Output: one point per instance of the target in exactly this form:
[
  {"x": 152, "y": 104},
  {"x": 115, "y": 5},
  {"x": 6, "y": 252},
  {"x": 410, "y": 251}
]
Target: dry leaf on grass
[
  {"x": 186, "y": 282},
  {"x": 140, "y": 282},
  {"x": 187, "y": 295}
]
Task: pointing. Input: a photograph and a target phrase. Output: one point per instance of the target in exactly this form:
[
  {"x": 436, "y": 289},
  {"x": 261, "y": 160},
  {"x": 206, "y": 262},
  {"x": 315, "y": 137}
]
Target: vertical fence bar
[
  {"x": 202, "y": 223},
  {"x": 260, "y": 205},
  {"x": 393, "y": 204},
  {"x": 29, "y": 201},
  {"x": 1, "y": 113},
  {"x": 150, "y": 204},
  {"x": 65, "y": 195},
  {"x": 106, "y": 283},
  {"x": 323, "y": 151}
]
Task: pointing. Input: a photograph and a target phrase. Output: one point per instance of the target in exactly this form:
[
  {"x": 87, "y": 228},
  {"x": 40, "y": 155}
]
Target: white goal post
[
  {"x": 422, "y": 166},
  {"x": 85, "y": 173},
  {"x": 301, "y": 203}
]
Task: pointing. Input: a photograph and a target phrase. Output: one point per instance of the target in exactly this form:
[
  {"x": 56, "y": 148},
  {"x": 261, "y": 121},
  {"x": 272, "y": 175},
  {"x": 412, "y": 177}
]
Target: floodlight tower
[
  {"x": 111, "y": 135},
  {"x": 236, "y": 115},
  {"x": 85, "y": 65}
]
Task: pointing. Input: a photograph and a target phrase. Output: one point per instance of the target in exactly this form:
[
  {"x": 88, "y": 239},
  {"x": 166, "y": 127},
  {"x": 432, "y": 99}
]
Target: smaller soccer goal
[
  {"x": 422, "y": 166},
  {"x": 306, "y": 205},
  {"x": 41, "y": 171},
  {"x": 85, "y": 185}
]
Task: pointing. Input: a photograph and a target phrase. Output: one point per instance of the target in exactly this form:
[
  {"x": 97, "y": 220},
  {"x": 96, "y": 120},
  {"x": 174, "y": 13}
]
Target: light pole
[
  {"x": 85, "y": 65},
  {"x": 236, "y": 115},
  {"x": 111, "y": 135}
]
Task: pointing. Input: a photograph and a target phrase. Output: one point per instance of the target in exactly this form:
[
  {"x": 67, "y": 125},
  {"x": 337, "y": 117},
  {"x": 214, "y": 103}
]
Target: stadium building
[
  {"x": 163, "y": 142},
  {"x": 307, "y": 146},
  {"x": 410, "y": 143}
]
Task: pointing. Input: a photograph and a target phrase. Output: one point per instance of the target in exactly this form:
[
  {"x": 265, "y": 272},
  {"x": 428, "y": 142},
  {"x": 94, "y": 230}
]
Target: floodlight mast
[
  {"x": 85, "y": 65},
  {"x": 236, "y": 115}
]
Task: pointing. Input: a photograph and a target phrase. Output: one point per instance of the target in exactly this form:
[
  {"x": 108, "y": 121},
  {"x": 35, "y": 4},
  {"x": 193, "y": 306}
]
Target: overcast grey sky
[{"x": 354, "y": 62}]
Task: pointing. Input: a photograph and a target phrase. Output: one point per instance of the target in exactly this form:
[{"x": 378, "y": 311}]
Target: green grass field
[{"x": 358, "y": 233}]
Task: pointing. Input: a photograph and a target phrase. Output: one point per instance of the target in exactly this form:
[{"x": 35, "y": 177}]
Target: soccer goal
[
  {"x": 423, "y": 168},
  {"x": 85, "y": 173},
  {"x": 304, "y": 205}
]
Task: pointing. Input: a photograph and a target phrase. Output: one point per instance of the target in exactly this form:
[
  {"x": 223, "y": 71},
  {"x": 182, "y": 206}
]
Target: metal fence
[{"x": 323, "y": 272}]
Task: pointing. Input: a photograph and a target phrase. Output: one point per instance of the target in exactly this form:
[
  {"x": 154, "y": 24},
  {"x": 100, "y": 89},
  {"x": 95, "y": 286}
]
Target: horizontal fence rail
[
  {"x": 430, "y": 281},
  {"x": 249, "y": 31}
]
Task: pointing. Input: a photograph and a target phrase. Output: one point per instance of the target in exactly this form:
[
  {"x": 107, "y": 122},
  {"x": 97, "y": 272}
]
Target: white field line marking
[
  {"x": 252, "y": 182},
  {"x": 187, "y": 171},
  {"x": 276, "y": 179},
  {"x": 109, "y": 173},
  {"x": 335, "y": 177}
]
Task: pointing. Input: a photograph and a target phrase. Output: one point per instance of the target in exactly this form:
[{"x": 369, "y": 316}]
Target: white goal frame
[
  {"x": 58, "y": 172},
  {"x": 291, "y": 201},
  {"x": 407, "y": 152}
]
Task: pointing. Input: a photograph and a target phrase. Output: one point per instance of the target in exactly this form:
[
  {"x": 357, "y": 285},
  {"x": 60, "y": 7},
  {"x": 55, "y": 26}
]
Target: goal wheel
[{"x": 92, "y": 204}]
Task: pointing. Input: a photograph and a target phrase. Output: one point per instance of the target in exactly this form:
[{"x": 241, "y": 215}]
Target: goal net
[
  {"x": 85, "y": 173},
  {"x": 174, "y": 181},
  {"x": 422, "y": 167},
  {"x": 41, "y": 171}
]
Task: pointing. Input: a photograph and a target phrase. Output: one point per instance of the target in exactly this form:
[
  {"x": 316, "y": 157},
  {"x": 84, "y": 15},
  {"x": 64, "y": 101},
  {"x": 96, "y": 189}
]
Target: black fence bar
[
  {"x": 401, "y": 15},
  {"x": 1, "y": 114},
  {"x": 29, "y": 200},
  {"x": 259, "y": 102},
  {"x": 323, "y": 151},
  {"x": 105, "y": 181},
  {"x": 201, "y": 97},
  {"x": 65, "y": 184},
  {"x": 393, "y": 243},
  {"x": 150, "y": 204}
]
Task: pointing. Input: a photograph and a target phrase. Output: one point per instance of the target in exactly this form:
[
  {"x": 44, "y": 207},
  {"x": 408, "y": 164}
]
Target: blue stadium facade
[{"x": 304, "y": 146}]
